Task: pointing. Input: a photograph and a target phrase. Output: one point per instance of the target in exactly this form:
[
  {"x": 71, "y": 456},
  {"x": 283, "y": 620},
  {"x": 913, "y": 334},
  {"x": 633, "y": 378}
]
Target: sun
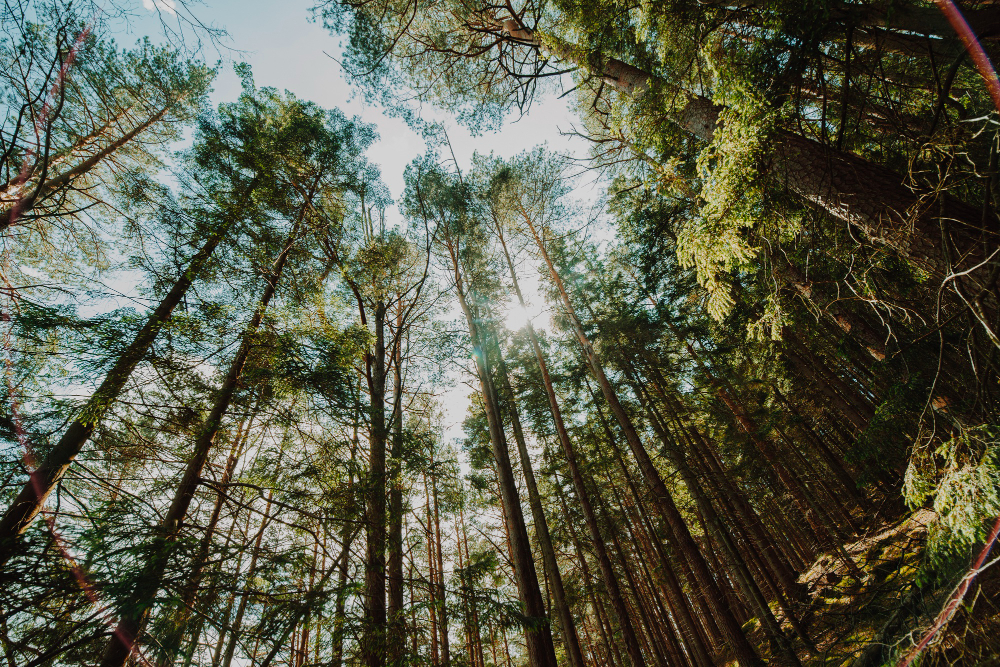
[{"x": 517, "y": 317}]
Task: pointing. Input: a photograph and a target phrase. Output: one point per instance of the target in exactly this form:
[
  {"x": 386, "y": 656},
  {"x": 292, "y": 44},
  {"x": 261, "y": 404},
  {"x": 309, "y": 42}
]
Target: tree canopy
[{"x": 728, "y": 383}]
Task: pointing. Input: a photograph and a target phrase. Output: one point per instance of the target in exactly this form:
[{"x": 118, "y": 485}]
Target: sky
[{"x": 289, "y": 51}]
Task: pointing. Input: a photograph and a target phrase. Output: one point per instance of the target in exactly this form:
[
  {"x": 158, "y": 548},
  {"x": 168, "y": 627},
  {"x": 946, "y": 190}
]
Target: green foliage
[{"x": 960, "y": 478}]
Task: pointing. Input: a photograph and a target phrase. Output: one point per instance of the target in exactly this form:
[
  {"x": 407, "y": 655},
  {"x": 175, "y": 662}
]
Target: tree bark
[
  {"x": 46, "y": 476},
  {"x": 731, "y": 630},
  {"x": 136, "y": 614}
]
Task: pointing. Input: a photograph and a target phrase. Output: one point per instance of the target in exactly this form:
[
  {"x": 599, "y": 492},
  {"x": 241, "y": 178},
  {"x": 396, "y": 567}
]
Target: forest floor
[
  {"x": 874, "y": 621},
  {"x": 847, "y": 614}
]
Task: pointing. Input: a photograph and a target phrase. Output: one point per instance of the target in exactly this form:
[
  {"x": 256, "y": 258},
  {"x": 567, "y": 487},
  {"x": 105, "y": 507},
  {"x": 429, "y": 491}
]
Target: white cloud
[{"x": 168, "y": 6}]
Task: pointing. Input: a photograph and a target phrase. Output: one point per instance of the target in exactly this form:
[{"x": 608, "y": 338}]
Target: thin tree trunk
[
  {"x": 611, "y": 648},
  {"x": 302, "y": 610},
  {"x": 638, "y": 605},
  {"x": 373, "y": 640},
  {"x": 209, "y": 600},
  {"x": 610, "y": 581},
  {"x": 731, "y": 498},
  {"x": 538, "y": 637},
  {"x": 46, "y": 476},
  {"x": 476, "y": 655},
  {"x": 735, "y": 638},
  {"x": 171, "y": 641},
  {"x": 641, "y": 532},
  {"x": 234, "y": 633},
  {"x": 134, "y": 619},
  {"x": 698, "y": 645},
  {"x": 224, "y": 624},
  {"x": 431, "y": 566},
  {"x": 347, "y": 535},
  {"x": 737, "y": 566},
  {"x": 25, "y": 204},
  {"x": 832, "y": 460},
  {"x": 554, "y": 578},
  {"x": 396, "y": 641},
  {"x": 441, "y": 591}
]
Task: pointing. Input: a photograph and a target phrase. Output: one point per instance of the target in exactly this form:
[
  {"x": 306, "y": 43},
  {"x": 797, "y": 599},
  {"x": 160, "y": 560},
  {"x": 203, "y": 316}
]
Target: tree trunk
[
  {"x": 907, "y": 18},
  {"x": 45, "y": 477},
  {"x": 303, "y": 609},
  {"x": 373, "y": 641},
  {"x": 234, "y": 633},
  {"x": 737, "y": 566},
  {"x": 431, "y": 566},
  {"x": 441, "y": 590},
  {"x": 729, "y": 496},
  {"x": 638, "y": 604},
  {"x": 340, "y": 605},
  {"x": 611, "y": 648},
  {"x": 209, "y": 600},
  {"x": 223, "y": 623},
  {"x": 396, "y": 641},
  {"x": 538, "y": 638},
  {"x": 697, "y": 644},
  {"x": 136, "y": 614},
  {"x": 731, "y": 630},
  {"x": 26, "y": 203},
  {"x": 861, "y": 193},
  {"x": 568, "y": 625},
  {"x": 608, "y": 575},
  {"x": 743, "y": 515},
  {"x": 178, "y": 624},
  {"x": 611, "y": 583}
]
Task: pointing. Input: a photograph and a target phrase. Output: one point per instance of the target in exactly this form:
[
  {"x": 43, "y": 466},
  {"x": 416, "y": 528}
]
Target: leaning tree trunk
[
  {"x": 235, "y": 631},
  {"x": 537, "y": 632},
  {"x": 608, "y": 575},
  {"x": 738, "y": 567},
  {"x": 866, "y": 195},
  {"x": 136, "y": 613},
  {"x": 45, "y": 477},
  {"x": 178, "y": 623},
  {"x": 24, "y": 204},
  {"x": 570, "y": 639},
  {"x": 730, "y": 628}
]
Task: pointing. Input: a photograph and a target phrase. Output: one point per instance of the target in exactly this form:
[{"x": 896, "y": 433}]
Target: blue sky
[{"x": 288, "y": 51}]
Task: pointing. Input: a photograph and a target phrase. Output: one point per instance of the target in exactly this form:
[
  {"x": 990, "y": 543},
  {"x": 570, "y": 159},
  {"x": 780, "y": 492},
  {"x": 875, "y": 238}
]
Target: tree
[
  {"x": 309, "y": 175},
  {"x": 434, "y": 195}
]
